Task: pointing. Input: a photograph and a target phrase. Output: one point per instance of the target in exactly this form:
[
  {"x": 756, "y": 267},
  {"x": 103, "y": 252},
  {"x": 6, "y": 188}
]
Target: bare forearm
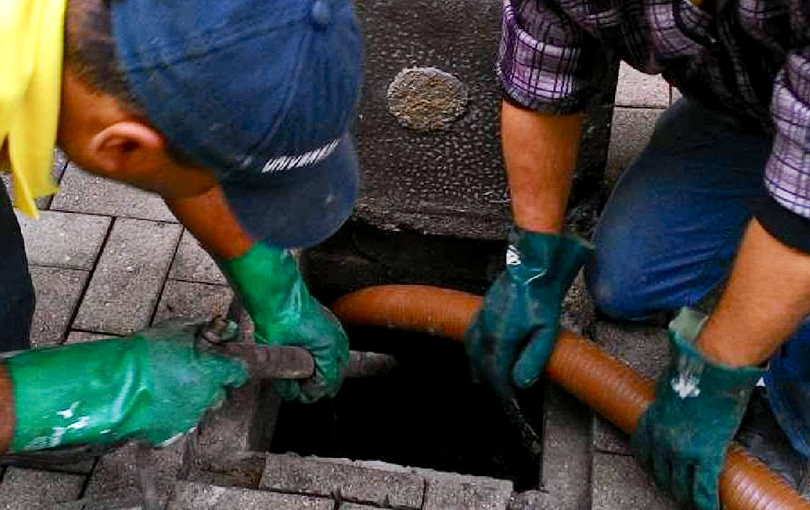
[
  {"x": 767, "y": 297},
  {"x": 7, "y": 418},
  {"x": 209, "y": 218},
  {"x": 540, "y": 152}
]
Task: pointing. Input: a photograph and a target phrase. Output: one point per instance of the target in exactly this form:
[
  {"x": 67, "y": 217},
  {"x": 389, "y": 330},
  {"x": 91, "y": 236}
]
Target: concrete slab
[
  {"x": 124, "y": 290},
  {"x": 192, "y": 263},
  {"x": 193, "y": 301},
  {"x": 61, "y": 239},
  {"x": 630, "y": 132},
  {"x": 194, "y": 496},
  {"x": 538, "y": 500},
  {"x": 318, "y": 477},
  {"x": 28, "y": 489},
  {"x": 354, "y": 506},
  {"x": 637, "y": 89},
  {"x": 566, "y": 464},
  {"x": 86, "y": 193},
  {"x": 620, "y": 484},
  {"x": 58, "y": 293}
]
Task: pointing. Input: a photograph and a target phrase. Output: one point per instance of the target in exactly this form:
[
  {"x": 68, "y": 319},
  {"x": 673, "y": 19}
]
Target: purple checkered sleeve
[
  {"x": 787, "y": 174},
  {"x": 545, "y": 61}
]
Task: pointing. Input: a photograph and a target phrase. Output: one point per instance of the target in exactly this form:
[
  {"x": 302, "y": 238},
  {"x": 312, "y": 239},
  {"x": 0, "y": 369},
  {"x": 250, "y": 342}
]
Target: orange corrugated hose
[{"x": 612, "y": 388}]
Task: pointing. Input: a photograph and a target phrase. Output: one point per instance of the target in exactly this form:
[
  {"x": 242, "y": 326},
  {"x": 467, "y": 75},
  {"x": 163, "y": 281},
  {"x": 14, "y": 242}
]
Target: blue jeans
[
  {"x": 670, "y": 230},
  {"x": 16, "y": 291}
]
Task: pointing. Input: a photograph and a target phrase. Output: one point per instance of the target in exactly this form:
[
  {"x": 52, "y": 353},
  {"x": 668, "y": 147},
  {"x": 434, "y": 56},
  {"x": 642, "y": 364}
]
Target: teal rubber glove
[
  {"x": 683, "y": 437},
  {"x": 513, "y": 334},
  {"x": 284, "y": 313},
  {"x": 152, "y": 386}
]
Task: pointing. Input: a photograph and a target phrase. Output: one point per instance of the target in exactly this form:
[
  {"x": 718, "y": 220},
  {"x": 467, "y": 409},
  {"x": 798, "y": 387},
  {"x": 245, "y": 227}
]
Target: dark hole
[{"x": 426, "y": 413}]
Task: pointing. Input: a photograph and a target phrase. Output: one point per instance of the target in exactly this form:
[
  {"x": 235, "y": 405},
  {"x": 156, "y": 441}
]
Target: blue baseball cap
[{"x": 261, "y": 92}]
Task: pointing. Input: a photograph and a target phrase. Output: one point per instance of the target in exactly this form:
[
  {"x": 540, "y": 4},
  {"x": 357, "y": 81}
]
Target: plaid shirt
[{"x": 751, "y": 58}]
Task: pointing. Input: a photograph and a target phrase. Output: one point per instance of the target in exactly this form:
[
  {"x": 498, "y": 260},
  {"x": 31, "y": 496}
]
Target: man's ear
[{"x": 127, "y": 146}]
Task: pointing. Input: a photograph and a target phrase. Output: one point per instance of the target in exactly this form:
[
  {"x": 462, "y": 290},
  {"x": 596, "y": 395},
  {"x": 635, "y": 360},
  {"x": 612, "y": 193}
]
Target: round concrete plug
[{"x": 426, "y": 99}]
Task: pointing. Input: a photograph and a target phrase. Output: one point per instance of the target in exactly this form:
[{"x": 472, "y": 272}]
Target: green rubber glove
[
  {"x": 151, "y": 387},
  {"x": 513, "y": 334},
  {"x": 683, "y": 437},
  {"x": 284, "y": 313}
]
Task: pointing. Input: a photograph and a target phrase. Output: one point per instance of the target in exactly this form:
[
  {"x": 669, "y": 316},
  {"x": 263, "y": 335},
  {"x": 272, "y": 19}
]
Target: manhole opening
[{"x": 426, "y": 413}]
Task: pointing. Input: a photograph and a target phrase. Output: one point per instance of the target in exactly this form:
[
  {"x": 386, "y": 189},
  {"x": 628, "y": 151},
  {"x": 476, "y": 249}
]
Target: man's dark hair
[{"x": 90, "y": 51}]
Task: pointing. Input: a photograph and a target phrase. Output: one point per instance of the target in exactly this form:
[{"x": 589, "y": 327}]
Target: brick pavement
[{"x": 107, "y": 260}]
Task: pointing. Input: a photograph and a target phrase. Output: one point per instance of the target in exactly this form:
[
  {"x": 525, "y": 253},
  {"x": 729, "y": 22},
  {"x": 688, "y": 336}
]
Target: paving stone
[
  {"x": 619, "y": 484},
  {"x": 195, "y": 496},
  {"x": 354, "y": 506},
  {"x": 130, "y": 503},
  {"x": 58, "y": 292},
  {"x": 631, "y": 129},
  {"x": 641, "y": 90},
  {"x": 239, "y": 469},
  {"x": 449, "y": 491},
  {"x": 125, "y": 286},
  {"x": 61, "y": 239},
  {"x": 644, "y": 348},
  {"x": 193, "y": 300},
  {"x": 192, "y": 263},
  {"x": 27, "y": 489},
  {"x": 116, "y": 474},
  {"x": 354, "y": 483},
  {"x": 87, "y": 193},
  {"x": 566, "y": 449},
  {"x": 539, "y": 500},
  {"x": 75, "y": 337}
]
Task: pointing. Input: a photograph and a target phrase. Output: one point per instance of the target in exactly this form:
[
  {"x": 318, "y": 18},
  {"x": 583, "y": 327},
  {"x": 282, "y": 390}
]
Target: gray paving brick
[
  {"x": 644, "y": 348},
  {"x": 566, "y": 450},
  {"x": 27, "y": 489},
  {"x": 355, "y": 506},
  {"x": 124, "y": 290},
  {"x": 75, "y": 337},
  {"x": 58, "y": 292},
  {"x": 449, "y": 491},
  {"x": 87, "y": 193},
  {"x": 192, "y": 263},
  {"x": 116, "y": 474},
  {"x": 61, "y": 239},
  {"x": 318, "y": 477},
  {"x": 193, "y": 300},
  {"x": 194, "y": 496},
  {"x": 607, "y": 438},
  {"x": 641, "y": 90},
  {"x": 538, "y": 500},
  {"x": 129, "y": 503},
  {"x": 620, "y": 484},
  {"x": 631, "y": 129}
]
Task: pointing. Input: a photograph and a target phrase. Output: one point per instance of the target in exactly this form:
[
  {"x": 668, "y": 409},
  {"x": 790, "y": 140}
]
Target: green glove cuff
[
  {"x": 113, "y": 390},
  {"x": 692, "y": 374}
]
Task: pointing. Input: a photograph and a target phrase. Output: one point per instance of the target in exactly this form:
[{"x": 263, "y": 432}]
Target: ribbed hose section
[{"x": 613, "y": 389}]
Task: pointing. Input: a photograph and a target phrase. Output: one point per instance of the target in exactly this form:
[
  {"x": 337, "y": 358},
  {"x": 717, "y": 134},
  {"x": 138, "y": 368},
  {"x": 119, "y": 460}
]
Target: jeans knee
[{"x": 612, "y": 293}]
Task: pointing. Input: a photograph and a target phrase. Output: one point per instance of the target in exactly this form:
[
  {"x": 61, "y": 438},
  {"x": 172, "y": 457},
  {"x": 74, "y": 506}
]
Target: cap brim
[{"x": 297, "y": 208}]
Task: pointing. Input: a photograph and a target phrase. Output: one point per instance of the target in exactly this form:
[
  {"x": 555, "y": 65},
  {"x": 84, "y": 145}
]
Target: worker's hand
[
  {"x": 284, "y": 313},
  {"x": 683, "y": 437},
  {"x": 512, "y": 335},
  {"x": 152, "y": 386}
]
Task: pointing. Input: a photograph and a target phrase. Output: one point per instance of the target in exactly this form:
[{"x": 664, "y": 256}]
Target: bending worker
[
  {"x": 237, "y": 114},
  {"x": 719, "y": 197}
]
